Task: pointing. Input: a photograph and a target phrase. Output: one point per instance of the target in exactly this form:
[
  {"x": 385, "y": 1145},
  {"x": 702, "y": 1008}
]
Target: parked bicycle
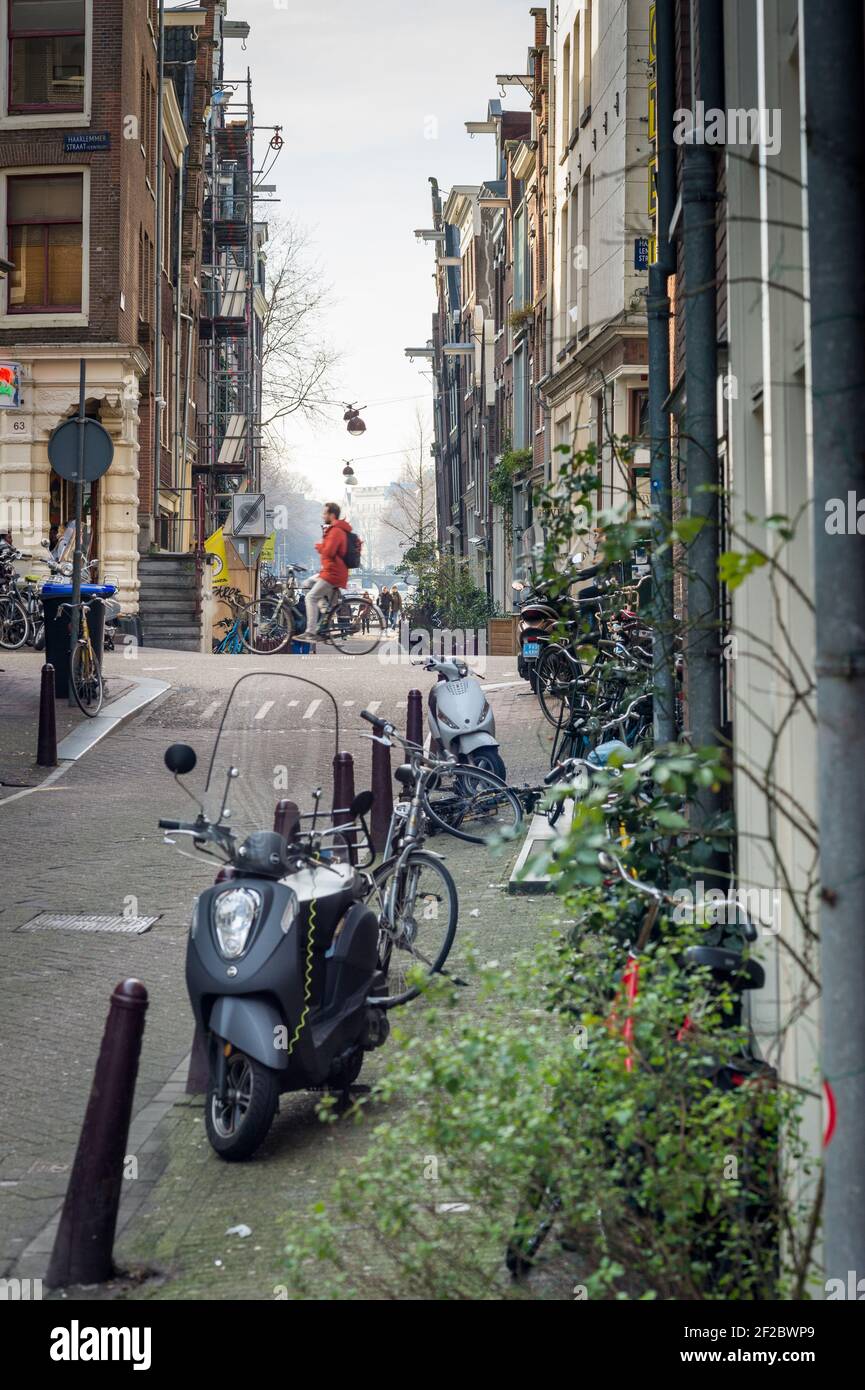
[
  {"x": 467, "y": 802},
  {"x": 416, "y": 895},
  {"x": 85, "y": 672}
]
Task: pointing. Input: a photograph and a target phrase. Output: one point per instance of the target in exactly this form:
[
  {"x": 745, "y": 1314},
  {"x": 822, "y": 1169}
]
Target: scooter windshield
[{"x": 276, "y": 741}]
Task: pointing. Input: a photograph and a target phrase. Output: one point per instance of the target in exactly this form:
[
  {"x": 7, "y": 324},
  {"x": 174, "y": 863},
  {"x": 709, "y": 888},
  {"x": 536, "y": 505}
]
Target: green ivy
[{"x": 512, "y": 465}]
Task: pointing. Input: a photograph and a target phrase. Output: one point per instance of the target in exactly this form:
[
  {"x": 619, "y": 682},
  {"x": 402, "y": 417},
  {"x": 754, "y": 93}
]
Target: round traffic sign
[{"x": 63, "y": 450}]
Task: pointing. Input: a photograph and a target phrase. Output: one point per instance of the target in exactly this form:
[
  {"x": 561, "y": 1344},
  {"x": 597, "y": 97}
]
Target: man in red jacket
[{"x": 333, "y": 575}]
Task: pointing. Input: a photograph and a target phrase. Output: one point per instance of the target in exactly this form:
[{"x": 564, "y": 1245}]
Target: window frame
[
  {"x": 43, "y": 117},
  {"x": 53, "y": 316}
]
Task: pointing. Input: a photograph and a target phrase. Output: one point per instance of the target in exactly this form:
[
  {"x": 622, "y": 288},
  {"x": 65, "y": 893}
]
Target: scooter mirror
[
  {"x": 518, "y": 586},
  {"x": 577, "y": 558},
  {"x": 361, "y": 805},
  {"x": 45, "y": 545},
  {"x": 180, "y": 758}
]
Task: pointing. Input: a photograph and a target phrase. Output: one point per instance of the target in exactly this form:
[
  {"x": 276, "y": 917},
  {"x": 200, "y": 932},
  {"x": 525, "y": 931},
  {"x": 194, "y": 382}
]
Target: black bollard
[
  {"x": 82, "y": 1251},
  {"x": 46, "y": 747},
  {"x": 343, "y": 796},
  {"x": 286, "y": 818},
  {"x": 382, "y": 791},
  {"x": 414, "y": 717}
]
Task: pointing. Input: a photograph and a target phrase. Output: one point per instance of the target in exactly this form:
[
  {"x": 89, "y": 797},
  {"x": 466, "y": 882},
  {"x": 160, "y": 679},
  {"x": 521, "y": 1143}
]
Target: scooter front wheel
[{"x": 237, "y": 1122}]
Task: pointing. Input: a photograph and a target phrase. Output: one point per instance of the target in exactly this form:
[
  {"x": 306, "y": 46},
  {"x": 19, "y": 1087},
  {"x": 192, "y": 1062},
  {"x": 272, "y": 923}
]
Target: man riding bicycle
[{"x": 321, "y": 589}]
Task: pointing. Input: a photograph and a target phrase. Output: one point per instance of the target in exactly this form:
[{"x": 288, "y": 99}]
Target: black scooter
[{"x": 281, "y": 966}]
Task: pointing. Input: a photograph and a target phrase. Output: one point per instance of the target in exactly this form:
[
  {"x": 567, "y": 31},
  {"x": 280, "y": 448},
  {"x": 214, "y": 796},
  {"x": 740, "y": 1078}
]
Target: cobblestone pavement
[{"x": 90, "y": 845}]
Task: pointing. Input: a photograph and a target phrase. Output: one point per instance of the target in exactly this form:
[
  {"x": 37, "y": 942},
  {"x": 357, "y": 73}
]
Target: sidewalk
[{"x": 20, "y": 680}]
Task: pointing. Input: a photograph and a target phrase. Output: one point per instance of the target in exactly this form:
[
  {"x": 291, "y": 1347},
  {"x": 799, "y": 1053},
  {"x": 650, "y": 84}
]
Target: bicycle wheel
[
  {"x": 355, "y": 627},
  {"x": 86, "y": 679},
  {"x": 14, "y": 623},
  {"x": 264, "y": 627},
  {"x": 556, "y": 673},
  {"x": 472, "y": 804},
  {"x": 417, "y": 922}
]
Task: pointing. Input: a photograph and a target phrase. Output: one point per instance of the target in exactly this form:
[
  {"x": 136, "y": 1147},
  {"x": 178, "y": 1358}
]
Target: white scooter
[{"x": 460, "y": 718}]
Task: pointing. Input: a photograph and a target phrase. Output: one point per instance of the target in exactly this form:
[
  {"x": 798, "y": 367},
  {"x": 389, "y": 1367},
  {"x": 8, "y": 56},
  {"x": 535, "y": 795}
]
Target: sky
[{"x": 372, "y": 96}]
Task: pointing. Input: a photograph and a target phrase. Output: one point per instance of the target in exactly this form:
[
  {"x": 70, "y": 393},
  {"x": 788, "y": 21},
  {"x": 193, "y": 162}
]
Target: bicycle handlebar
[{"x": 373, "y": 718}]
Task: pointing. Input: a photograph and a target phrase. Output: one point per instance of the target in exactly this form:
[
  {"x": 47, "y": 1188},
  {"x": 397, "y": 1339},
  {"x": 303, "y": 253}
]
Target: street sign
[
  {"x": 641, "y": 253},
  {"x": 79, "y": 141},
  {"x": 63, "y": 450},
  {"x": 249, "y": 514}
]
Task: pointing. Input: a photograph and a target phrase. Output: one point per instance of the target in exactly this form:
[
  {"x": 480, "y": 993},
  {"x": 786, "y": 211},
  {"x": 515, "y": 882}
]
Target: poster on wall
[{"x": 10, "y": 385}]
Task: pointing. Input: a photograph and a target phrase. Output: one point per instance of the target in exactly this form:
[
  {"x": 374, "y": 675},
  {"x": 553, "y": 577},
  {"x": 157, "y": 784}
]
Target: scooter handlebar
[
  {"x": 170, "y": 824},
  {"x": 372, "y": 718}
]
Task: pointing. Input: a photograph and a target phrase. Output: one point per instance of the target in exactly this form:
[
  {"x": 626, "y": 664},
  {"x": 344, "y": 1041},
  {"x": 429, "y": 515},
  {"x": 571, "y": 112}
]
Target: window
[
  {"x": 521, "y": 387},
  {"x": 575, "y": 113},
  {"x": 46, "y": 55},
  {"x": 167, "y": 217},
  {"x": 145, "y": 276},
  {"x": 45, "y": 240},
  {"x": 586, "y": 196},
  {"x": 563, "y": 282},
  {"x": 638, "y": 411},
  {"x": 520, "y": 288},
  {"x": 165, "y": 408},
  {"x": 566, "y": 93},
  {"x": 586, "y": 68}
]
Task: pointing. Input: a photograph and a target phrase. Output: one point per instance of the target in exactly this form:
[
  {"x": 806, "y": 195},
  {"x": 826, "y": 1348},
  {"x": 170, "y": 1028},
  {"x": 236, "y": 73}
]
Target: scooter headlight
[
  {"x": 444, "y": 719},
  {"x": 486, "y": 709},
  {"x": 234, "y": 913}
]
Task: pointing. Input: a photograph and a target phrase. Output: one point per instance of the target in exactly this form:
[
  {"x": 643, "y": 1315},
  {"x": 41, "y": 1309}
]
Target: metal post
[
  {"x": 382, "y": 791},
  {"x": 158, "y": 402},
  {"x": 414, "y": 717},
  {"x": 46, "y": 746},
  {"x": 343, "y": 796},
  {"x": 83, "y": 1246},
  {"x": 699, "y": 200},
  {"x": 835, "y": 106},
  {"x": 658, "y": 314},
  {"x": 77, "y": 558}
]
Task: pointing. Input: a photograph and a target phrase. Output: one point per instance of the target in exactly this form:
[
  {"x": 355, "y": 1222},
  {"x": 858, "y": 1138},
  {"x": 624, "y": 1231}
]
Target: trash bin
[{"x": 58, "y": 630}]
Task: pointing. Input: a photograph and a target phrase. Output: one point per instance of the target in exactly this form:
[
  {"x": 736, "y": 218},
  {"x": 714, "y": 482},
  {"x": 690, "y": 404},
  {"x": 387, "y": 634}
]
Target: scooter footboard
[{"x": 252, "y": 1024}]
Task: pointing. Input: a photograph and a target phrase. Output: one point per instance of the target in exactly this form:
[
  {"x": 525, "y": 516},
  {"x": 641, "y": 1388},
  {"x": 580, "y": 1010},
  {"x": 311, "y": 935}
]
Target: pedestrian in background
[
  {"x": 395, "y": 607},
  {"x": 364, "y": 621},
  {"x": 384, "y": 602}
]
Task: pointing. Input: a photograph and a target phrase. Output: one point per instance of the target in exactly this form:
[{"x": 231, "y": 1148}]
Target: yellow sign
[
  {"x": 268, "y": 550},
  {"x": 215, "y": 545}
]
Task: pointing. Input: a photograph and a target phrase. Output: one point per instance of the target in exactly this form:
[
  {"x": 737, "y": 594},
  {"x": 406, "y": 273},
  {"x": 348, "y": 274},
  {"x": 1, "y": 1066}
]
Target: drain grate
[{"x": 70, "y": 921}]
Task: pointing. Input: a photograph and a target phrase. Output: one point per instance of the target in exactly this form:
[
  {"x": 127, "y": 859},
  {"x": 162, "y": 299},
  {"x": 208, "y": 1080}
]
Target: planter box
[{"x": 502, "y": 636}]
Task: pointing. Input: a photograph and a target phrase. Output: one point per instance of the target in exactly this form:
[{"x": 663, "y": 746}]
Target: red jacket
[{"x": 331, "y": 548}]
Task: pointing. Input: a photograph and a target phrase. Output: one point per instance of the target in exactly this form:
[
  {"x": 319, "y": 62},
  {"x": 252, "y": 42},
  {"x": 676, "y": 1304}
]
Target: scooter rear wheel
[{"x": 237, "y": 1125}]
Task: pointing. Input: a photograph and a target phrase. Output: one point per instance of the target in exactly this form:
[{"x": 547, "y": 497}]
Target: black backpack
[{"x": 353, "y": 547}]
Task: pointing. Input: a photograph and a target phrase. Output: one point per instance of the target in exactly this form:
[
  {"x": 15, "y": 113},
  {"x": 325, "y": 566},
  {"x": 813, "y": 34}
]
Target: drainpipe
[
  {"x": 158, "y": 403},
  {"x": 551, "y": 229},
  {"x": 699, "y": 201},
  {"x": 658, "y": 314},
  {"x": 835, "y": 106},
  {"x": 178, "y": 340}
]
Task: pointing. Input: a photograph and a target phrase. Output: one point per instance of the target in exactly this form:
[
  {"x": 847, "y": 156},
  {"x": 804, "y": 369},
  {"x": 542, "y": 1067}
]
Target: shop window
[
  {"x": 45, "y": 240},
  {"x": 46, "y": 60}
]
